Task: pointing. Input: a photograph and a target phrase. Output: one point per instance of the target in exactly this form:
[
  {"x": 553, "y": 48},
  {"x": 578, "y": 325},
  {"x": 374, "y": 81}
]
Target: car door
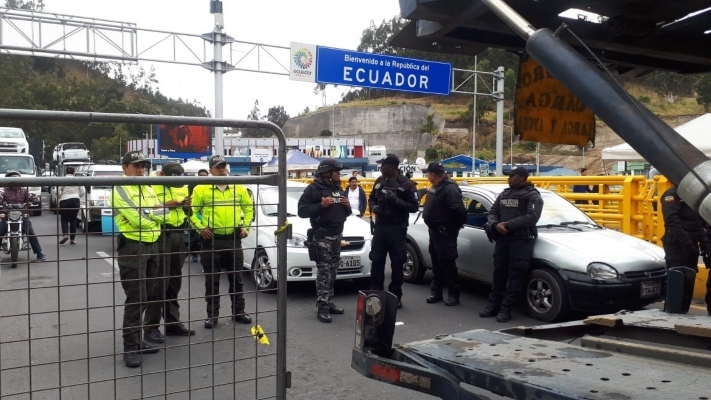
[
  {"x": 475, "y": 250},
  {"x": 249, "y": 244}
]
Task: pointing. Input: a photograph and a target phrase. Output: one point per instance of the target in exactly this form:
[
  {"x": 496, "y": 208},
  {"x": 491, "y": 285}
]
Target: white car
[
  {"x": 260, "y": 246},
  {"x": 13, "y": 140}
]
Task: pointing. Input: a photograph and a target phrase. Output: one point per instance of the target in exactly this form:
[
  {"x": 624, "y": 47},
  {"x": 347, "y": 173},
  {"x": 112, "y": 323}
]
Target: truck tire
[
  {"x": 546, "y": 297},
  {"x": 414, "y": 271}
]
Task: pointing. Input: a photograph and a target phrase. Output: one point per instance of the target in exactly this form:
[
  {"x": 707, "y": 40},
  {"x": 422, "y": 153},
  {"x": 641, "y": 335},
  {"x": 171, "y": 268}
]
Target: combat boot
[
  {"x": 452, "y": 300},
  {"x": 132, "y": 357},
  {"x": 491, "y": 310},
  {"x": 435, "y": 297},
  {"x": 323, "y": 314},
  {"x": 504, "y": 315},
  {"x": 334, "y": 309}
]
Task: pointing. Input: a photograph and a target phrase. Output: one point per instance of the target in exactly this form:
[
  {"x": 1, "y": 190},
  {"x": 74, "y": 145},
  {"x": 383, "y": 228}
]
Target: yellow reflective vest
[
  {"x": 138, "y": 212},
  {"x": 222, "y": 211},
  {"x": 173, "y": 216}
]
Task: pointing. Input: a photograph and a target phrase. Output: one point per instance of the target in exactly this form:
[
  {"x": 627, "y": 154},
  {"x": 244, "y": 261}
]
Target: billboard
[
  {"x": 547, "y": 112},
  {"x": 322, "y": 64},
  {"x": 184, "y": 141}
]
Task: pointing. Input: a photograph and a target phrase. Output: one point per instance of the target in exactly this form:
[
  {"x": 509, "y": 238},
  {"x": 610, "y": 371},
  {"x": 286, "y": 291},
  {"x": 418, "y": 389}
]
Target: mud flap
[{"x": 680, "y": 290}]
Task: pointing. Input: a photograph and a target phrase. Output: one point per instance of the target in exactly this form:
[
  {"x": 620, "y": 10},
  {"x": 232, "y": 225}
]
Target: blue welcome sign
[{"x": 354, "y": 68}]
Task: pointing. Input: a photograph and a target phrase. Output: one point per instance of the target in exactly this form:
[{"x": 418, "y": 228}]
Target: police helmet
[{"x": 329, "y": 165}]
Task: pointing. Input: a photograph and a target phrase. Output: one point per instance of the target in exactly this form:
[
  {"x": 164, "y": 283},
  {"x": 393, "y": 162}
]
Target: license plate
[
  {"x": 650, "y": 289},
  {"x": 349, "y": 262}
]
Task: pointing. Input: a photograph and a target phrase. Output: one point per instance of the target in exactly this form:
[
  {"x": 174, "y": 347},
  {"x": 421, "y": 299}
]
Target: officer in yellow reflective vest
[
  {"x": 227, "y": 212},
  {"x": 172, "y": 256},
  {"x": 138, "y": 216}
]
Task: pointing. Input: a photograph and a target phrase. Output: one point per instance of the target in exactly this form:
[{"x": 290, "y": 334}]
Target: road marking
[{"x": 111, "y": 261}]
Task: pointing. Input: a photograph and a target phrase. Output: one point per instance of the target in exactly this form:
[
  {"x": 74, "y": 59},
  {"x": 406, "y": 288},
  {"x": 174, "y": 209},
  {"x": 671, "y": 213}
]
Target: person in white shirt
[
  {"x": 356, "y": 195},
  {"x": 68, "y": 197}
]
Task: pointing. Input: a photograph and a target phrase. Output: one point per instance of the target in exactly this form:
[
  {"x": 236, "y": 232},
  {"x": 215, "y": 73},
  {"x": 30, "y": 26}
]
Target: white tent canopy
[{"x": 697, "y": 132}]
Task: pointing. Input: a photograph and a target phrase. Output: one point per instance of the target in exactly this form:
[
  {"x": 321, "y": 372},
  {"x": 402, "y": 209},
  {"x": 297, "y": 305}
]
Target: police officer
[
  {"x": 512, "y": 223},
  {"x": 393, "y": 197},
  {"x": 227, "y": 213},
  {"x": 683, "y": 231},
  {"x": 170, "y": 269},
  {"x": 138, "y": 217},
  {"x": 327, "y": 207},
  {"x": 444, "y": 214}
]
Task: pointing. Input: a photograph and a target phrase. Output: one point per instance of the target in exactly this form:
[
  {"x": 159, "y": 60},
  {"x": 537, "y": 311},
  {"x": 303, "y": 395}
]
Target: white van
[
  {"x": 98, "y": 196},
  {"x": 13, "y": 140}
]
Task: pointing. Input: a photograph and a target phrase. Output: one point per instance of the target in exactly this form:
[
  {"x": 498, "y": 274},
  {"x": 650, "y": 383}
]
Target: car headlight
[
  {"x": 98, "y": 203},
  {"x": 296, "y": 240},
  {"x": 601, "y": 271}
]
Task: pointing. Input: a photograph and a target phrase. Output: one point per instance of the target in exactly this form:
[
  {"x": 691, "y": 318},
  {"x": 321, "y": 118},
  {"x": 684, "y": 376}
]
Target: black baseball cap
[
  {"x": 435, "y": 168},
  {"x": 520, "y": 171},
  {"x": 217, "y": 160},
  {"x": 172, "y": 169},
  {"x": 328, "y": 165},
  {"x": 135, "y": 157},
  {"x": 390, "y": 159}
]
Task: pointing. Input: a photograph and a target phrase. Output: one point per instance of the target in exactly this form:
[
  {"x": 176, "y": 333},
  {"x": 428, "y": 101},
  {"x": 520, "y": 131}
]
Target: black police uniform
[
  {"x": 391, "y": 200},
  {"x": 520, "y": 209},
  {"x": 683, "y": 231},
  {"x": 444, "y": 214},
  {"x": 327, "y": 232}
]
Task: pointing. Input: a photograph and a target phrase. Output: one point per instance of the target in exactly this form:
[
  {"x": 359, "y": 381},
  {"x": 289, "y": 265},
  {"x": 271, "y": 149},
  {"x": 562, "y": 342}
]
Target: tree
[
  {"x": 703, "y": 91},
  {"x": 25, "y": 5},
  {"x": 277, "y": 115},
  {"x": 255, "y": 115}
]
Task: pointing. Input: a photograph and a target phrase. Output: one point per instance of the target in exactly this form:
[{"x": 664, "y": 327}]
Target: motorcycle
[{"x": 16, "y": 238}]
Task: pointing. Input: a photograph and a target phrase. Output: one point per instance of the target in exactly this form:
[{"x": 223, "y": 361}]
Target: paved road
[{"x": 80, "y": 294}]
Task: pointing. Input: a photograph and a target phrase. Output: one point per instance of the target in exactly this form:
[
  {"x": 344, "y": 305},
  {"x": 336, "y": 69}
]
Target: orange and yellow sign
[{"x": 547, "y": 112}]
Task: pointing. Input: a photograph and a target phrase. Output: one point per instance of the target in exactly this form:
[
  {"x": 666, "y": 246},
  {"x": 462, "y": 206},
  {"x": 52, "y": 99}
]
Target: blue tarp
[
  {"x": 466, "y": 162},
  {"x": 294, "y": 158}
]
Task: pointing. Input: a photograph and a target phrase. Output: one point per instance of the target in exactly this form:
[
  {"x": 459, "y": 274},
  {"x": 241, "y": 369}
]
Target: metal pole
[
  {"x": 538, "y": 159},
  {"x": 583, "y": 157},
  {"x": 507, "y": 14},
  {"x": 217, "y": 46},
  {"x": 499, "y": 120},
  {"x": 476, "y": 82}
]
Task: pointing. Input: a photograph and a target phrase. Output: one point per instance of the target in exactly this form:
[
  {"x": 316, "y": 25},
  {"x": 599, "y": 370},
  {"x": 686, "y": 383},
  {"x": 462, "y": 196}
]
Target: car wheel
[
  {"x": 262, "y": 272},
  {"x": 413, "y": 271},
  {"x": 546, "y": 299}
]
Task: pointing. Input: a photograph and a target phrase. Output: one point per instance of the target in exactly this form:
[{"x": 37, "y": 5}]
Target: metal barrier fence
[{"x": 63, "y": 322}]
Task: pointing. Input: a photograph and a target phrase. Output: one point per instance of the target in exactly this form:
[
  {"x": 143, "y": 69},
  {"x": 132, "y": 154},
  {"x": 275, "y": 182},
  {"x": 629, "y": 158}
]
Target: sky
[{"x": 333, "y": 23}]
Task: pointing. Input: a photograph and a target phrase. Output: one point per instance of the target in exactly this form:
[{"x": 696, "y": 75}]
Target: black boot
[
  {"x": 504, "y": 315},
  {"x": 491, "y": 310},
  {"x": 435, "y": 297},
  {"x": 452, "y": 300},
  {"x": 334, "y": 309},
  {"x": 132, "y": 357},
  {"x": 323, "y": 314},
  {"x": 242, "y": 317}
]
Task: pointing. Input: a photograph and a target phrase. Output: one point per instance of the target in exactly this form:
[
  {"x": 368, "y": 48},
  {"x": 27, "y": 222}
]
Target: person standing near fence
[
  {"x": 138, "y": 216},
  {"x": 69, "y": 202},
  {"x": 194, "y": 246},
  {"x": 227, "y": 213},
  {"x": 327, "y": 207},
  {"x": 172, "y": 257}
]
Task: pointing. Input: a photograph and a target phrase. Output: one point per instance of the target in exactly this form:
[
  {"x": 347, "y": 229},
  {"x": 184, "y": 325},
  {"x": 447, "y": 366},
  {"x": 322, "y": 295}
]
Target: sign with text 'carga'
[{"x": 354, "y": 68}]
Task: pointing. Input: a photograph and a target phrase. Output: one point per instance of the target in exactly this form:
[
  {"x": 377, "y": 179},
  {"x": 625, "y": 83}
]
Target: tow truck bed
[{"x": 625, "y": 356}]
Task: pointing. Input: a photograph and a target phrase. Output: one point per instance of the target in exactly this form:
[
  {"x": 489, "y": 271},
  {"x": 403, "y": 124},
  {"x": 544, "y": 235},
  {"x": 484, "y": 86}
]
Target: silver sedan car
[{"x": 577, "y": 265}]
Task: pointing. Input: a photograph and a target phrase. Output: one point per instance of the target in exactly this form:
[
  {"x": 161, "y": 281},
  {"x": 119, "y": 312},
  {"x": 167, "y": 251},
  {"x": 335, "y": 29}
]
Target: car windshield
[
  {"x": 24, "y": 165},
  {"x": 557, "y": 210},
  {"x": 11, "y": 133},
  {"x": 269, "y": 199}
]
